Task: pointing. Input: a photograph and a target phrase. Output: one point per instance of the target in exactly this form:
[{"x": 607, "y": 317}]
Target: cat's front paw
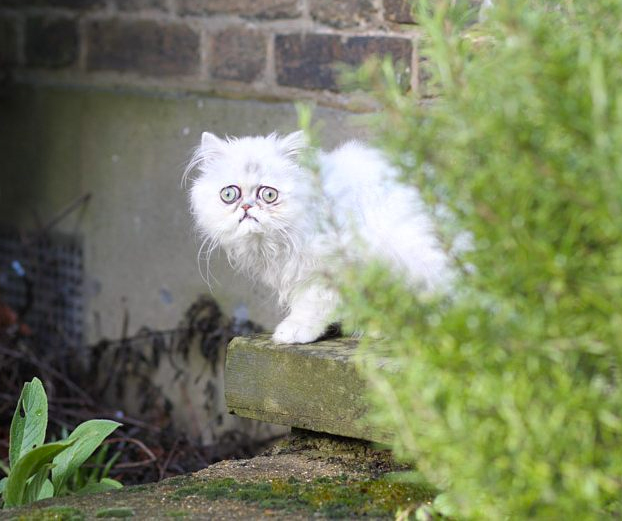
[{"x": 288, "y": 332}]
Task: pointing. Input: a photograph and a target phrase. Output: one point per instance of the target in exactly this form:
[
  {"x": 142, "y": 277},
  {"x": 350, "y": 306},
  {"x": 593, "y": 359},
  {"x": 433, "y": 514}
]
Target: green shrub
[{"x": 510, "y": 396}]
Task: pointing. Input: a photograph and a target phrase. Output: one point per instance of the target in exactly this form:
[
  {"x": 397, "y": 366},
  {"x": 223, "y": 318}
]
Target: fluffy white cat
[{"x": 291, "y": 228}]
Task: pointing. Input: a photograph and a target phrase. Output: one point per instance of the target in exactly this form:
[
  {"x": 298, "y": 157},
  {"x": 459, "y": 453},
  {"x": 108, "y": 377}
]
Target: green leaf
[
  {"x": 105, "y": 485},
  {"x": 98, "y": 460},
  {"x": 4, "y": 468},
  {"x": 35, "y": 484},
  {"x": 112, "y": 482},
  {"x": 87, "y": 437},
  {"x": 47, "y": 490},
  {"x": 28, "y": 431},
  {"x": 2, "y": 487},
  {"x": 28, "y": 465},
  {"x": 110, "y": 464}
]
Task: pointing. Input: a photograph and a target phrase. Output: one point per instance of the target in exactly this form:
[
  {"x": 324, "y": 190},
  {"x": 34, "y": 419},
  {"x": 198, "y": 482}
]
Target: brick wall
[{"x": 266, "y": 49}]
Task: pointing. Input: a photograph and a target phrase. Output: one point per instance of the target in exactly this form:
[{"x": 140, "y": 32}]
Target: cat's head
[{"x": 251, "y": 186}]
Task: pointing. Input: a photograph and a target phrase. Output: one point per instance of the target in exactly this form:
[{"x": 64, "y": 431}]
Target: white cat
[{"x": 292, "y": 229}]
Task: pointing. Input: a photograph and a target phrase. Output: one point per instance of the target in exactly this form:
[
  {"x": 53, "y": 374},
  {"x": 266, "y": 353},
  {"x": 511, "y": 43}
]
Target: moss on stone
[
  {"x": 115, "y": 512},
  {"x": 178, "y": 480},
  {"x": 138, "y": 488},
  {"x": 56, "y": 513},
  {"x": 332, "y": 497}
]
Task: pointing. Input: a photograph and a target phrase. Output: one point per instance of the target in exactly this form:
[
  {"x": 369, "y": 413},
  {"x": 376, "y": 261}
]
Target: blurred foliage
[{"x": 510, "y": 396}]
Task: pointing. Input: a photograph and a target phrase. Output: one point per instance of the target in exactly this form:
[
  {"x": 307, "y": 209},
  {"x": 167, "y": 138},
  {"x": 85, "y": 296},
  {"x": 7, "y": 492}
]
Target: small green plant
[{"x": 39, "y": 470}]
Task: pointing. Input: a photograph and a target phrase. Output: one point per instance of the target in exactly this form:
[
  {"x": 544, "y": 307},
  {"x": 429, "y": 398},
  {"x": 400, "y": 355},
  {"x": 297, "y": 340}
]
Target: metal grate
[{"x": 42, "y": 279}]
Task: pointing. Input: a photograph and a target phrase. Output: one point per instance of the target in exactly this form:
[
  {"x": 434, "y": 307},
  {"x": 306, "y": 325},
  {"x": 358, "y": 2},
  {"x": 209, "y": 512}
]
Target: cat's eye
[
  {"x": 230, "y": 194},
  {"x": 268, "y": 194}
]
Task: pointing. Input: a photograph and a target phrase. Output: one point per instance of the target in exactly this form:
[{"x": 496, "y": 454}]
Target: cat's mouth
[{"x": 247, "y": 216}]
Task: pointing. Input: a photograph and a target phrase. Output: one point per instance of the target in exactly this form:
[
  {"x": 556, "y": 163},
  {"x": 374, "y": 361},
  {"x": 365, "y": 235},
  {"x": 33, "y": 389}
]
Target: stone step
[{"x": 313, "y": 386}]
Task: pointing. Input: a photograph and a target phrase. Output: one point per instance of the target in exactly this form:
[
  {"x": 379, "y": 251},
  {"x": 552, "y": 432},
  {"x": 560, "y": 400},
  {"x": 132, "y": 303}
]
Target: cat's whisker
[
  {"x": 196, "y": 159},
  {"x": 206, "y": 277},
  {"x": 292, "y": 240},
  {"x": 212, "y": 242}
]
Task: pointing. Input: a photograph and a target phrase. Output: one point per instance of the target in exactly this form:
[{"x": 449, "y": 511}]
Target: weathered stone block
[
  {"x": 310, "y": 61},
  {"x": 343, "y": 13},
  {"x": 8, "y": 42},
  {"x": 51, "y": 42},
  {"x": 143, "y": 46},
  {"x": 247, "y": 8},
  {"x": 399, "y": 11},
  {"x": 314, "y": 386},
  {"x": 238, "y": 54}
]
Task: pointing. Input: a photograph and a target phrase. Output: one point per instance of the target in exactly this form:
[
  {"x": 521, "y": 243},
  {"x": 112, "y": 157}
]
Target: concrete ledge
[{"x": 314, "y": 386}]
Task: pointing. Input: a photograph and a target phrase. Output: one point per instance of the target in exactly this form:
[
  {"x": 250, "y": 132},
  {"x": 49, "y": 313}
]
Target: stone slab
[
  {"x": 313, "y": 386},
  {"x": 319, "y": 463}
]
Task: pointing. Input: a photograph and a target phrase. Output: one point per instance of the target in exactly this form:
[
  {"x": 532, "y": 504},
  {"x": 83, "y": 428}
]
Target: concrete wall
[
  {"x": 128, "y": 150},
  {"x": 109, "y": 97}
]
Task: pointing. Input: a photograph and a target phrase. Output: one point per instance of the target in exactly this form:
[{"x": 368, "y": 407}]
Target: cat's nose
[{"x": 246, "y": 206}]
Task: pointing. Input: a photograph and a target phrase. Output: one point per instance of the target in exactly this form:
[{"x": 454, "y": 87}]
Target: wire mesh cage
[{"x": 41, "y": 279}]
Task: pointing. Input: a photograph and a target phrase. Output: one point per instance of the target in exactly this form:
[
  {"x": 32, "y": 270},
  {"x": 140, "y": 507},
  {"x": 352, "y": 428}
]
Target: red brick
[
  {"x": 270, "y": 9},
  {"x": 51, "y": 42},
  {"x": 142, "y": 46},
  {"x": 343, "y": 13},
  {"x": 309, "y": 61},
  {"x": 398, "y": 11},
  {"x": 238, "y": 54}
]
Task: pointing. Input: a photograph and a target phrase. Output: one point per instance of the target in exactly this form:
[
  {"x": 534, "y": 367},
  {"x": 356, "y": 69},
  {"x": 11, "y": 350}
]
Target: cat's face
[{"x": 248, "y": 187}]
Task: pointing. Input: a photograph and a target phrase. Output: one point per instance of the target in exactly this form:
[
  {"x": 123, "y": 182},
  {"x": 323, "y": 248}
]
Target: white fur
[{"x": 354, "y": 207}]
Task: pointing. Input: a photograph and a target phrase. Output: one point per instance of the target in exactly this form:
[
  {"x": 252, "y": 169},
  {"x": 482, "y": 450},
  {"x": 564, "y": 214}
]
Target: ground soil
[{"x": 300, "y": 457}]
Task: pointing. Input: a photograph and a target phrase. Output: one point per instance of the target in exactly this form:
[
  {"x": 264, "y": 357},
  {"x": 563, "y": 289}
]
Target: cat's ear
[
  {"x": 211, "y": 144},
  {"x": 292, "y": 144},
  {"x": 210, "y": 148}
]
